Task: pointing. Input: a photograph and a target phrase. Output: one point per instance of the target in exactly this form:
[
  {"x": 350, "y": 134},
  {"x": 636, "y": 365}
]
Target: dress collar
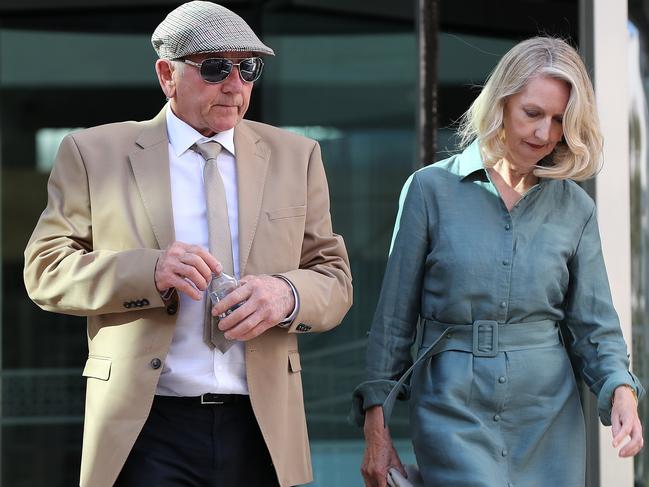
[{"x": 470, "y": 165}]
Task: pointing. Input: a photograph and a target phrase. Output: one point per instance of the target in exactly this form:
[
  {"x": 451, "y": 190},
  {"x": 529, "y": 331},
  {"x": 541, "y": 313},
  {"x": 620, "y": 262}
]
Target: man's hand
[
  {"x": 266, "y": 301},
  {"x": 186, "y": 267}
]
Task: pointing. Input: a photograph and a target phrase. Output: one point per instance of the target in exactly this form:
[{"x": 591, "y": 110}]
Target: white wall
[{"x": 610, "y": 59}]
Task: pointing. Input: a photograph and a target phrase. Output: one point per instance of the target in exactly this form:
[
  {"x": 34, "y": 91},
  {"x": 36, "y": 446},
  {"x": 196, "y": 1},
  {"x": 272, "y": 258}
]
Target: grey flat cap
[{"x": 197, "y": 27}]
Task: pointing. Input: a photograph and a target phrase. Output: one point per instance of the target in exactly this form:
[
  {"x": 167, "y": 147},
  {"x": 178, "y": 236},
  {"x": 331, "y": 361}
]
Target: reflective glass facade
[
  {"x": 346, "y": 74},
  {"x": 351, "y": 86}
]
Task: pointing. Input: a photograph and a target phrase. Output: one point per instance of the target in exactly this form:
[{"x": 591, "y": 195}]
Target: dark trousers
[{"x": 186, "y": 444}]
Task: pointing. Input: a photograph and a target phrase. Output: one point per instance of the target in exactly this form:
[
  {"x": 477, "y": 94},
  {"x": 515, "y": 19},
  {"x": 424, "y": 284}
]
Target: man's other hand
[
  {"x": 188, "y": 268},
  {"x": 267, "y": 300}
]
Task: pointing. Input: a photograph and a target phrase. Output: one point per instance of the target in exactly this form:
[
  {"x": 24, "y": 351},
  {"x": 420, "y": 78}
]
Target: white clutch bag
[{"x": 395, "y": 479}]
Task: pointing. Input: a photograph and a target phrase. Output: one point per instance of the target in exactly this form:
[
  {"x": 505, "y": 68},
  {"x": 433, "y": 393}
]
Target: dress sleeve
[
  {"x": 596, "y": 342},
  {"x": 395, "y": 320}
]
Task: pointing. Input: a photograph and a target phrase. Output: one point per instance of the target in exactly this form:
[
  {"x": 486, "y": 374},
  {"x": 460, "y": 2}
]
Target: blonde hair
[{"x": 578, "y": 155}]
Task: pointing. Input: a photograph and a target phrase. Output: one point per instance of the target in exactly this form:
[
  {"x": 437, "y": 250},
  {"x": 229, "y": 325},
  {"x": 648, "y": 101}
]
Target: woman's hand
[
  {"x": 380, "y": 454},
  {"x": 625, "y": 422}
]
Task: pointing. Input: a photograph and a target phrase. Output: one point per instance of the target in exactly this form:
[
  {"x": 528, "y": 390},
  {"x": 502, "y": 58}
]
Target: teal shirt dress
[{"x": 511, "y": 417}]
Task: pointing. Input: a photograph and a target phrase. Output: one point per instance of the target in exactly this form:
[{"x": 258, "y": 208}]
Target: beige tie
[{"x": 219, "y": 234}]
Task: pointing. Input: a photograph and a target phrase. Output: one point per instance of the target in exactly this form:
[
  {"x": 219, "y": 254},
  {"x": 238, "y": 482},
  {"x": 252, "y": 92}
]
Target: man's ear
[{"x": 165, "y": 74}]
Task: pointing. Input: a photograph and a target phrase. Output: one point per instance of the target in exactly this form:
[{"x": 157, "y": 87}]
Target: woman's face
[{"x": 533, "y": 121}]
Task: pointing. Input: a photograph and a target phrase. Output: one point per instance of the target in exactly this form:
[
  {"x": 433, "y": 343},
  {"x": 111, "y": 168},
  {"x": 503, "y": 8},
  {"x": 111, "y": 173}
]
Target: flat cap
[{"x": 198, "y": 26}]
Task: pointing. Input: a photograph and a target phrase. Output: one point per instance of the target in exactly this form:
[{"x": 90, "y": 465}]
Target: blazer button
[
  {"x": 145, "y": 302},
  {"x": 156, "y": 363},
  {"x": 172, "y": 308},
  {"x": 127, "y": 304}
]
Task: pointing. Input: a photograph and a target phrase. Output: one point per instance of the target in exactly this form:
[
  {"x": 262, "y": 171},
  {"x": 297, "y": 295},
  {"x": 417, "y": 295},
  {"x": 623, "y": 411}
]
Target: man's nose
[{"x": 233, "y": 82}]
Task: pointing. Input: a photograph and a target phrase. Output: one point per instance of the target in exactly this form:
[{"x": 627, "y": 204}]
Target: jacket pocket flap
[
  {"x": 294, "y": 361},
  {"x": 97, "y": 368},
  {"x": 289, "y": 212}
]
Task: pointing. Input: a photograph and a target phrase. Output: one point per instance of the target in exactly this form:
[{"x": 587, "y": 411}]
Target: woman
[{"x": 495, "y": 250}]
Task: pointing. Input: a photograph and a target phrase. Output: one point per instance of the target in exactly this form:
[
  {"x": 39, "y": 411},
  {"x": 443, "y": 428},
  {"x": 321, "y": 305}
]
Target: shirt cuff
[
  {"x": 168, "y": 294},
  {"x": 286, "y": 322}
]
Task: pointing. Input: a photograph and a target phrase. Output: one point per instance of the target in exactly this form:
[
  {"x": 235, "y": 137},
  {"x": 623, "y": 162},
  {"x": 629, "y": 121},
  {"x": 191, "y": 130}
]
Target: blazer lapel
[
  {"x": 252, "y": 155},
  {"x": 150, "y": 166}
]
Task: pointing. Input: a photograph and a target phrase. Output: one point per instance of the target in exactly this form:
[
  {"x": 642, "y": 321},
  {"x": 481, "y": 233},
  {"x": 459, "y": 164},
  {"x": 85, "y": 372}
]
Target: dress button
[
  {"x": 502, "y": 379},
  {"x": 171, "y": 309},
  {"x": 127, "y": 304},
  {"x": 507, "y": 226},
  {"x": 503, "y": 304},
  {"x": 156, "y": 363},
  {"x": 505, "y": 262},
  {"x": 145, "y": 302},
  {"x": 504, "y": 452},
  {"x": 496, "y": 417}
]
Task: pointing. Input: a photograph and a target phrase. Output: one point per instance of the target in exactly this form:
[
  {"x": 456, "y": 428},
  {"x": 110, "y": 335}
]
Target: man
[{"x": 173, "y": 397}]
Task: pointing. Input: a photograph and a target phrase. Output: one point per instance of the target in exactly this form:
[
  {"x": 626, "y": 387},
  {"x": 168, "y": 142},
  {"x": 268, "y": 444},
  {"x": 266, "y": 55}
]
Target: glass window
[
  {"x": 355, "y": 92},
  {"x": 346, "y": 75},
  {"x": 51, "y": 82}
]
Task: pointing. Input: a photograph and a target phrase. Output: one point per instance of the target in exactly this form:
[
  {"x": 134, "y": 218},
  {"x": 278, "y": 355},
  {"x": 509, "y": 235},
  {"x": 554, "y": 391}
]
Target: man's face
[{"x": 207, "y": 107}]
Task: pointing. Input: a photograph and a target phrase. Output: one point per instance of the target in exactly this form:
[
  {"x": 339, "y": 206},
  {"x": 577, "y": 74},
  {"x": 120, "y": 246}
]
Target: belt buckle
[
  {"x": 493, "y": 349},
  {"x": 207, "y": 401}
]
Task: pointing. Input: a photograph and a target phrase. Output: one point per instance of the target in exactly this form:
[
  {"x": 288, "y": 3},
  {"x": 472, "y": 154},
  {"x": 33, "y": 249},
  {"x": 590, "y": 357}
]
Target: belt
[
  {"x": 482, "y": 338},
  {"x": 208, "y": 399}
]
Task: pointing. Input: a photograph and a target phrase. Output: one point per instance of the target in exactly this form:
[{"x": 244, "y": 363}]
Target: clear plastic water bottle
[{"x": 220, "y": 287}]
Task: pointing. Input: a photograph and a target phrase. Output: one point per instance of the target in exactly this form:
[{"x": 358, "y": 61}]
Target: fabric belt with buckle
[
  {"x": 209, "y": 399},
  {"x": 482, "y": 338}
]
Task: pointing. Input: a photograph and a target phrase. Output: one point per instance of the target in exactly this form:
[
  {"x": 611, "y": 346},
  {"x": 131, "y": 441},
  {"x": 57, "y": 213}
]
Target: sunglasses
[{"x": 216, "y": 70}]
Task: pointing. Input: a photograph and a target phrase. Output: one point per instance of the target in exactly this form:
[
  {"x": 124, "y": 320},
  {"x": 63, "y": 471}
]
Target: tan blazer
[{"x": 93, "y": 253}]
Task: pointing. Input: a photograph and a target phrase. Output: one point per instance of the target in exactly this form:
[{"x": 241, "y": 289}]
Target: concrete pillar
[{"x": 604, "y": 33}]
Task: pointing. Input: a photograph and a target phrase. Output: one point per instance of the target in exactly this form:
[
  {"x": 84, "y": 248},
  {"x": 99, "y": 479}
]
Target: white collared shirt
[{"x": 191, "y": 367}]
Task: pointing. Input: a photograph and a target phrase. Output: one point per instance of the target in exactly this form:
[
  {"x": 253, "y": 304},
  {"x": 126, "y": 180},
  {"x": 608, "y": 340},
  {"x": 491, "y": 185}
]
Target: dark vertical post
[
  {"x": 588, "y": 401},
  {"x": 255, "y": 18},
  {"x": 428, "y": 33},
  {"x": 586, "y": 43}
]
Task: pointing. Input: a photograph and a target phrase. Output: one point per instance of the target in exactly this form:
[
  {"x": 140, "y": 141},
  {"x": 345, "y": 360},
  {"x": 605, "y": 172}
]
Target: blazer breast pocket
[
  {"x": 288, "y": 212},
  {"x": 278, "y": 240}
]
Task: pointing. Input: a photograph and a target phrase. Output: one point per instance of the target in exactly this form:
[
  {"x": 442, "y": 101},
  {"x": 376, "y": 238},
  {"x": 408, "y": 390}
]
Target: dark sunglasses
[{"x": 216, "y": 70}]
